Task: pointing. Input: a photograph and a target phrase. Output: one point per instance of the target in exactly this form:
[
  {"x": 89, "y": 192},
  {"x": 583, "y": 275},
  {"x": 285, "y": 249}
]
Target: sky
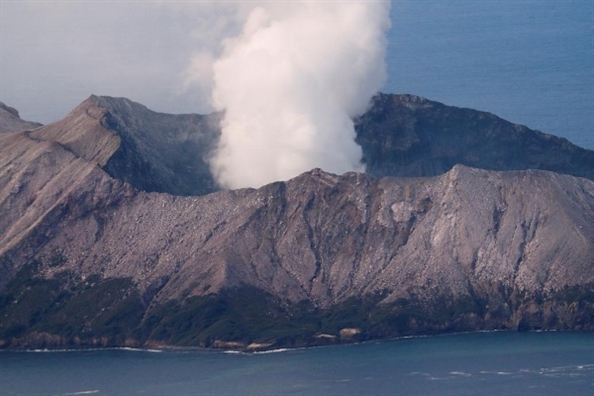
[{"x": 531, "y": 62}]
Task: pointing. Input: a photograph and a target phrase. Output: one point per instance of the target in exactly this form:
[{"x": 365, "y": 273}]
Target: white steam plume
[{"x": 290, "y": 84}]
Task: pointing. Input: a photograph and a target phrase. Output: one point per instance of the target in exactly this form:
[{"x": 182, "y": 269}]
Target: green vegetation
[
  {"x": 68, "y": 312},
  {"x": 96, "y": 308},
  {"x": 244, "y": 315},
  {"x": 249, "y": 315},
  {"x": 576, "y": 293},
  {"x": 80, "y": 313}
]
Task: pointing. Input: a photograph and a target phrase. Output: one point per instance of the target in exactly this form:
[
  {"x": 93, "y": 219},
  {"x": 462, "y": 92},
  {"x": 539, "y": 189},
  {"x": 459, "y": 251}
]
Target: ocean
[
  {"x": 497, "y": 363},
  {"x": 530, "y": 62}
]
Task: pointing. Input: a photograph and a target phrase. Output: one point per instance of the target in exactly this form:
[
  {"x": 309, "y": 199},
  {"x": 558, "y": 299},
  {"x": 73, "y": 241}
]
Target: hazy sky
[{"x": 54, "y": 54}]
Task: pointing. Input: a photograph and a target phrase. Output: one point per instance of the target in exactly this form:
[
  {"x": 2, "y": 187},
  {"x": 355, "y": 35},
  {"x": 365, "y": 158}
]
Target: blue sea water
[
  {"x": 528, "y": 61},
  {"x": 498, "y": 363}
]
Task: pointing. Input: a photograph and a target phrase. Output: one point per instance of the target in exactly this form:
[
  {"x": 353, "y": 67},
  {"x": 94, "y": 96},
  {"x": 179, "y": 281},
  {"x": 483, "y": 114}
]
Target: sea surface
[
  {"x": 530, "y": 62},
  {"x": 499, "y": 363}
]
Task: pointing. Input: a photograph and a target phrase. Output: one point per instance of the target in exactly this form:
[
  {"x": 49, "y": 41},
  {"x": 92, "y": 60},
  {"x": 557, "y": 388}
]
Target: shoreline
[{"x": 246, "y": 351}]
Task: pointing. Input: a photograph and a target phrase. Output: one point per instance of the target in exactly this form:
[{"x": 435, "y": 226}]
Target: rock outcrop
[
  {"x": 10, "y": 120},
  {"x": 152, "y": 151},
  {"x": 409, "y": 136},
  {"x": 88, "y": 259}
]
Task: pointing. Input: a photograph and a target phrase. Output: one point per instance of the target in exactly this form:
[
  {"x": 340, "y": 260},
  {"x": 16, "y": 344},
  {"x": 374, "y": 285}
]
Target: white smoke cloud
[{"x": 290, "y": 83}]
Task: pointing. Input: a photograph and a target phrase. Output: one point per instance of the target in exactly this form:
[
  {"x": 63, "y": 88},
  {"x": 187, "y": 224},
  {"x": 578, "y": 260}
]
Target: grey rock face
[
  {"x": 151, "y": 151},
  {"x": 161, "y": 152},
  {"x": 406, "y": 135}
]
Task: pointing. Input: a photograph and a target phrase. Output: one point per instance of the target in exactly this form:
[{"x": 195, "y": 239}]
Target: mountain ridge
[
  {"x": 10, "y": 120},
  {"x": 401, "y": 135},
  {"x": 426, "y": 138}
]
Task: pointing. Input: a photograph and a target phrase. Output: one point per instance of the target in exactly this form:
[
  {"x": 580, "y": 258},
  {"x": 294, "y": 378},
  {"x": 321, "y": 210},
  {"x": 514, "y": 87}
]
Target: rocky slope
[
  {"x": 87, "y": 258},
  {"x": 406, "y": 135},
  {"x": 10, "y": 120},
  {"x": 152, "y": 151}
]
